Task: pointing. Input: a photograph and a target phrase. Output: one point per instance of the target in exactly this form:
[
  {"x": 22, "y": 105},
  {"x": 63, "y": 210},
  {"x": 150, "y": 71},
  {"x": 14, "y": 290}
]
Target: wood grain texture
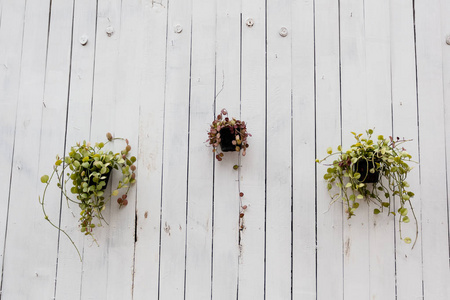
[
  {"x": 11, "y": 39},
  {"x": 404, "y": 103},
  {"x": 430, "y": 87},
  {"x": 252, "y": 169},
  {"x": 329, "y": 219},
  {"x": 303, "y": 152},
  {"x": 150, "y": 152},
  {"x": 201, "y": 112},
  {"x": 157, "y": 72},
  {"x": 279, "y": 152},
  {"x": 24, "y": 209}
]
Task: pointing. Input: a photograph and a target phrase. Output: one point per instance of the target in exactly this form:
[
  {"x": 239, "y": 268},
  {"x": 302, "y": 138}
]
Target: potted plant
[
  {"x": 88, "y": 168},
  {"x": 231, "y": 135},
  {"x": 375, "y": 171}
]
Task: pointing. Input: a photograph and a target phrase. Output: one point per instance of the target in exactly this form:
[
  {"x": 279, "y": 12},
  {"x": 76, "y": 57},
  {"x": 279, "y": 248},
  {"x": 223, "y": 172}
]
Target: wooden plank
[
  {"x": 379, "y": 115},
  {"x": 201, "y": 159},
  {"x": 445, "y": 31},
  {"x": 71, "y": 273},
  {"x": 11, "y": 38},
  {"x": 430, "y": 87},
  {"x": 149, "y": 171},
  {"x": 329, "y": 219},
  {"x": 128, "y": 95},
  {"x": 404, "y": 99},
  {"x": 226, "y": 194},
  {"x": 176, "y": 141},
  {"x": 354, "y": 118},
  {"x": 304, "y": 151},
  {"x": 252, "y": 166},
  {"x": 37, "y": 269},
  {"x": 279, "y": 158},
  {"x": 54, "y": 125}
]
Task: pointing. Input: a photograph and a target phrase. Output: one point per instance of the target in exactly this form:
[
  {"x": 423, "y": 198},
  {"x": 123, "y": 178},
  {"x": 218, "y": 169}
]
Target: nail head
[
  {"x": 83, "y": 40},
  {"x": 283, "y": 31},
  {"x": 178, "y": 28},
  {"x": 249, "y": 22}
]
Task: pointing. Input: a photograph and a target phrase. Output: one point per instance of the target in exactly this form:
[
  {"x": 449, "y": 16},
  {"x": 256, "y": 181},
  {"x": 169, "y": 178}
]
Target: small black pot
[
  {"x": 363, "y": 167},
  {"x": 107, "y": 175},
  {"x": 226, "y": 140}
]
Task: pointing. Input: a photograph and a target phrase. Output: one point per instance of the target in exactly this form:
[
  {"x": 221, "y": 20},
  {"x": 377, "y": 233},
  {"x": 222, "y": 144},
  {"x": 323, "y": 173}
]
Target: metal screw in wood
[
  {"x": 83, "y": 40},
  {"x": 283, "y": 31},
  {"x": 250, "y": 22},
  {"x": 109, "y": 30},
  {"x": 178, "y": 28}
]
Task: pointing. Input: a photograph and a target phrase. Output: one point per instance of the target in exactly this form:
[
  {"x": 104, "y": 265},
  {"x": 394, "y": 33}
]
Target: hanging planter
[
  {"x": 375, "y": 171},
  {"x": 88, "y": 168},
  {"x": 368, "y": 170},
  {"x": 231, "y": 135}
]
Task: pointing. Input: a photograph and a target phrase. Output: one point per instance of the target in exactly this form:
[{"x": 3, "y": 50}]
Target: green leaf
[
  {"x": 339, "y": 148},
  {"x": 348, "y": 185},
  {"x": 403, "y": 211},
  {"x": 133, "y": 159},
  {"x": 115, "y": 193},
  {"x": 405, "y": 219},
  {"x": 355, "y": 205},
  {"x": 58, "y": 162},
  {"x": 85, "y": 165},
  {"x": 329, "y": 150},
  {"x": 370, "y": 131},
  {"x": 376, "y": 211},
  {"x": 405, "y": 197},
  {"x": 44, "y": 179},
  {"x": 360, "y": 196},
  {"x": 385, "y": 204},
  {"x": 407, "y": 240}
]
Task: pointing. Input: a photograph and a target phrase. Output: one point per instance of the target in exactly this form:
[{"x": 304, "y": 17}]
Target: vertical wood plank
[
  {"x": 149, "y": 171},
  {"x": 252, "y": 166},
  {"x": 404, "y": 99},
  {"x": 304, "y": 152},
  {"x": 379, "y": 115},
  {"x": 54, "y": 129},
  {"x": 11, "y": 33},
  {"x": 176, "y": 141},
  {"x": 24, "y": 209},
  {"x": 430, "y": 87},
  {"x": 200, "y": 176},
  {"x": 327, "y": 133},
  {"x": 226, "y": 194},
  {"x": 72, "y": 273},
  {"x": 279, "y": 158},
  {"x": 354, "y": 118},
  {"x": 127, "y": 98}
]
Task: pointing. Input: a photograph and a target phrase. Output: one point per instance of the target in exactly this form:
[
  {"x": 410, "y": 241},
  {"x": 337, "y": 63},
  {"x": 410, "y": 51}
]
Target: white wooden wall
[{"x": 344, "y": 65}]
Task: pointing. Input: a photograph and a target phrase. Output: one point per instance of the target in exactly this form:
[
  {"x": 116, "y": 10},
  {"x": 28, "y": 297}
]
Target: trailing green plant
[
  {"x": 88, "y": 170},
  {"x": 385, "y": 162},
  {"x": 236, "y": 129}
]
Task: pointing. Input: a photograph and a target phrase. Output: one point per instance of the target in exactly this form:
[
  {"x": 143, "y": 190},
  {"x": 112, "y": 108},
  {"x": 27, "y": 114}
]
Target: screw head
[
  {"x": 178, "y": 28},
  {"x": 249, "y": 22},
  {"x": 109, "y": 30},
  {"x": 283, "y": 31},
  {"x": 83, "y": 40},
  {"x": 448, "y": 40}
]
